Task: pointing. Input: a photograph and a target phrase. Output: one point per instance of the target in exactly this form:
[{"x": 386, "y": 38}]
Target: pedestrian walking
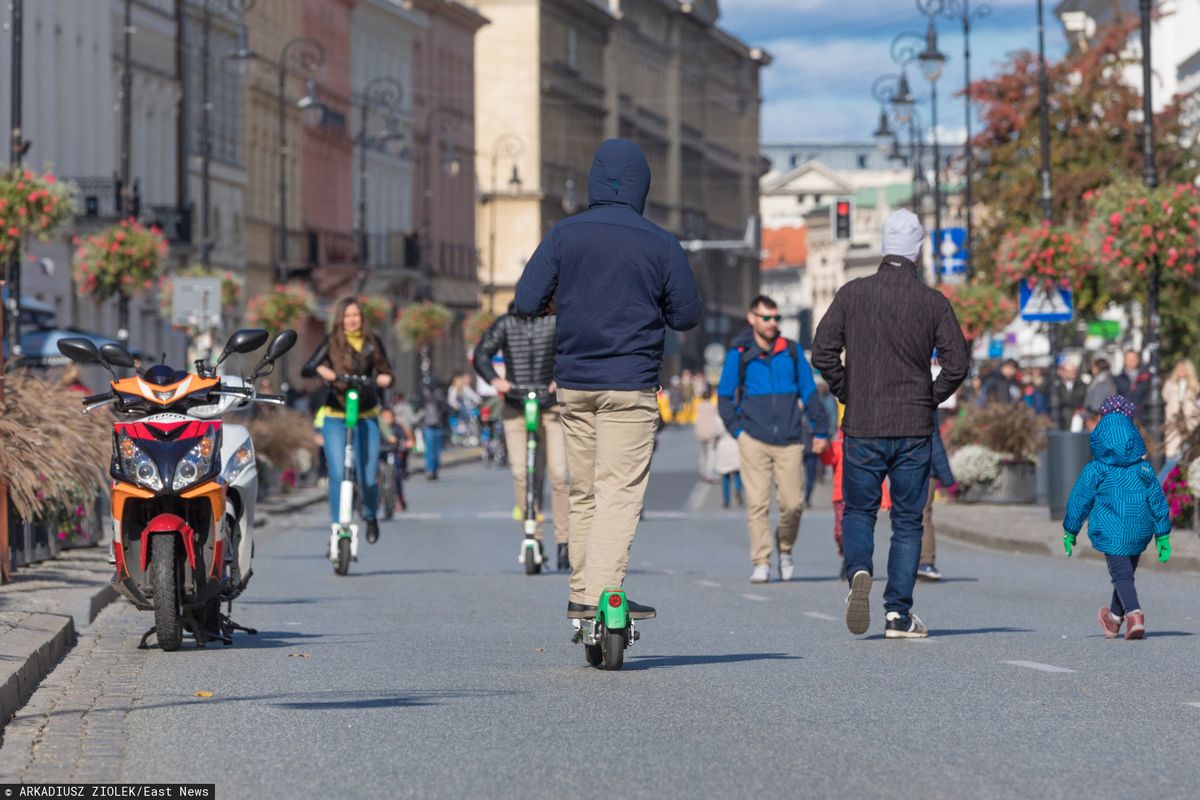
[
  {"x": 833, "y": 458},
  {"x": 528, "y": 347},
  {"x": 435, "y": 414},
  {"x": 1001, "y": 385},
  {"x": 763, "y": 384},
  {"x": 1102, "y": 387},
  {"x": 619, "y": 281},
  {"x": 887, "y": 325},
  {"x": 1120, "y": 498},
  {"x": 729, "y": 467},
  {"x": 708, "y": 430},
  {"x": 1072, "y": 395},
  {"x": 1133, "y": 383},
  {"x": 1181, "y": 398},
  {"x": 939, "y": 474}
]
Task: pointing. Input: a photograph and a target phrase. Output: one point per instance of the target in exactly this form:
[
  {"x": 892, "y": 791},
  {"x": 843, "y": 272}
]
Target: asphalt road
[{"x": 438, "y": 669}]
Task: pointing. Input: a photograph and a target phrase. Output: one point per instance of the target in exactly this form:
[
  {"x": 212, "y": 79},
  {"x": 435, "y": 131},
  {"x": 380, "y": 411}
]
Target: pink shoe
[
  {"x": 1110, "y": 623},
  {"x": 1136, "y": 627}
]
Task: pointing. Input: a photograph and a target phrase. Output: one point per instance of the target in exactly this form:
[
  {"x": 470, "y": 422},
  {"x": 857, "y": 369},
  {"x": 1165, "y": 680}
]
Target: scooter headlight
[
  {"x": 136, "y": 465},
  {"x": 198, "y": 462},
  {"x": 238, "y": 462}
]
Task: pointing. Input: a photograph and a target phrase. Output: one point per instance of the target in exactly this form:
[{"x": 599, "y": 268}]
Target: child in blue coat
[{"x": 1119, "y": 496}]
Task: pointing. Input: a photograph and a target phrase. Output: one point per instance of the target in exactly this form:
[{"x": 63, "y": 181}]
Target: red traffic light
[{"x": 843, "y": 207}]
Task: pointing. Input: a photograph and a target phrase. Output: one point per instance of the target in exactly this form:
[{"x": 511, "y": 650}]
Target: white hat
[{"x": 903, "y": 234}]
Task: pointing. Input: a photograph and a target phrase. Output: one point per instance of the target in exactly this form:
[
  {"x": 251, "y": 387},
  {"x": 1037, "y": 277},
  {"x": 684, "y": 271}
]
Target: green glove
[
  {"x": 1163, "y": 543},
  {"x": 1068, "y": 542}
]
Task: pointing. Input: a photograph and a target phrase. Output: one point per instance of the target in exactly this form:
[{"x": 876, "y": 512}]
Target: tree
[{"x": 1095, "y": 137}]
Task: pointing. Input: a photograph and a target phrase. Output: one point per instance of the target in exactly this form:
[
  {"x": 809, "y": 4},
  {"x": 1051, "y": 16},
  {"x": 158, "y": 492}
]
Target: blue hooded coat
[
  {"x": 619, "y": 281},
  {"x": 1118, "y": 493}
]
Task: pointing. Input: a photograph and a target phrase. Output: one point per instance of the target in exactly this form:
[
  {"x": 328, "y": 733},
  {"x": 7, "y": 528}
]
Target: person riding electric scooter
[
  {"x": 528, "y": 347},
  {"x": 351, "y": 350}
]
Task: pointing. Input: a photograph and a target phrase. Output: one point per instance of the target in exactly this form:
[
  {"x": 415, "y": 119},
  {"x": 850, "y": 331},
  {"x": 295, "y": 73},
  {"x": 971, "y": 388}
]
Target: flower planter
[{"x": 1017, "y": 484}]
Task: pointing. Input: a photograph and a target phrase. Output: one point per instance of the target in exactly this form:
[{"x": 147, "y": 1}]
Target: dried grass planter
[
  {"x": 284, "y": 440},
  {"x": 53, "y": 456}
]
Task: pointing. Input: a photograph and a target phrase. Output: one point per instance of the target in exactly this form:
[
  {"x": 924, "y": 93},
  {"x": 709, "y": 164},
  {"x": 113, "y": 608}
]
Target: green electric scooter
[
  {"x": 605, "y": 638},
  {"x": 343, "y": 538},
  {"x": 531, "y": 549}
]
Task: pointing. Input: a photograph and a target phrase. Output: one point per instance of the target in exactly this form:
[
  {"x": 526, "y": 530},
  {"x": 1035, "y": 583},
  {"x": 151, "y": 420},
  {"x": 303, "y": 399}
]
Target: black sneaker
[
  {"x": 899, "y": 626},
  {"x": 564, "y": 560},
  {"x": 639, "y": 611},
  {"x": 928, "y": 572},
  {"x": 372, "y": 531},
  {"x": 579, "y": 610}
]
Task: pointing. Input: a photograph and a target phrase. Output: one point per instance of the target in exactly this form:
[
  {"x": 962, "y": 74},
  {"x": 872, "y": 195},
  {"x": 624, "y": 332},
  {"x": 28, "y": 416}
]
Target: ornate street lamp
[
  {"x": 509, "y": 146},
  {"x": 932, "y": 61}
]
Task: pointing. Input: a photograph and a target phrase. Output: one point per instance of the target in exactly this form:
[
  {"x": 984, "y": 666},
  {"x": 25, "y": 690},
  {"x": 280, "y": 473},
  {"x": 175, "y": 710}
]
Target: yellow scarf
[{"x": 355, "y": 339}]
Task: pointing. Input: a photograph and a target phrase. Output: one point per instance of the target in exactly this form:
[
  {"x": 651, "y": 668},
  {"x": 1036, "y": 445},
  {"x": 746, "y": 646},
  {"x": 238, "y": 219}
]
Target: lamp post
[
  {"x": 1150, "y": 178},
  {"x": 17, "y": 146},
  {"x": 1047, "y": 204},
  {"x": 511, "y": 146},
  {"x": 238, "y": 7},
  {"x": 442, "y": 120},
  {"x": 932, "y": 62},
  {"x": 387, "y": 94}
]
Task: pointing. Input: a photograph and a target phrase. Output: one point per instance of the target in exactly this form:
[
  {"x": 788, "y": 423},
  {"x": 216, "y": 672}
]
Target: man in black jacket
[
  {"x": 887, "y": 324},
  {"x": 528, "y": 347}
]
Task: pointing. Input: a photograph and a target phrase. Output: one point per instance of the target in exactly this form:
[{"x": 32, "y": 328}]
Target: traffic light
[{"x": 843, "y": 210}]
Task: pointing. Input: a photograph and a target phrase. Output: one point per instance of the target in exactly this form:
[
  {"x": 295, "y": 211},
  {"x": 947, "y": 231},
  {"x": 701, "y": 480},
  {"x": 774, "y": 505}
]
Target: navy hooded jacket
[
  {"x": 619, "y": 281},
  {"x": 769, "y": 407}
]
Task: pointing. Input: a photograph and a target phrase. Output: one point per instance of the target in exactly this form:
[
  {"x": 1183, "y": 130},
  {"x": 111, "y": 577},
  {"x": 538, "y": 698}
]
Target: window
[
  {"x": 572, "y": 48},
  {"x": 862, "y": 161},
  {"x": 792, "y": 161}
]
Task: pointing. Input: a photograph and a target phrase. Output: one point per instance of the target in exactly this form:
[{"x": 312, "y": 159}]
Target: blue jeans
[
  {"x": 727, "y": 480},
  {"x": 1121, "y": 569},
  {"x": 366, "y": 458},
  {"x": 906, "y": 463},
  {"x": 433, "y": 449}
]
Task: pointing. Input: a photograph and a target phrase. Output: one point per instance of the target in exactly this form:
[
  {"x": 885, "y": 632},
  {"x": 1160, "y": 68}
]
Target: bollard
[{"x": 1067, "y": 454}]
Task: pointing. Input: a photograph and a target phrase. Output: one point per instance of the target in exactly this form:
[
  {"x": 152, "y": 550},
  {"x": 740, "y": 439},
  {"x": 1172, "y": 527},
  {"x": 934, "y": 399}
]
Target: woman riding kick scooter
[{"x": 351, "y": 350}]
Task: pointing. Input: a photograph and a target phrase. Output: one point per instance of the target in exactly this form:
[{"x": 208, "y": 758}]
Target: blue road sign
[
  {"x": 1046, "y": 303},
  {"x": 952, "y": 245}
]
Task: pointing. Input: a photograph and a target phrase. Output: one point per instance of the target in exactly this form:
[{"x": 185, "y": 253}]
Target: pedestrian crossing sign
[{"x": 1045, "y": 302}]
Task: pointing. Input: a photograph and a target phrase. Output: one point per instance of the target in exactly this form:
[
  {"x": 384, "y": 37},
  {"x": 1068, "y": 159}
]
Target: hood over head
[
  {"x": 620, "y": 176},
  {"x": 1116, "y": 441}
]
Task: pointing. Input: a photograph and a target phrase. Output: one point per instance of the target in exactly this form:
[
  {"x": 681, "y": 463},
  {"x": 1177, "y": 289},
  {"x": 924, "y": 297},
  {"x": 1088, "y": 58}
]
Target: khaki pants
[
  {"x": 928, "y": 540},
  {"x": 552, "y": 457},
  {"x": 610, "y": 438},
  {"x": 762, "y": 462}
]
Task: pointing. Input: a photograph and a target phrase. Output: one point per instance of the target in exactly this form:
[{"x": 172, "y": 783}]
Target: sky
[{"x": 827, "y": 53}]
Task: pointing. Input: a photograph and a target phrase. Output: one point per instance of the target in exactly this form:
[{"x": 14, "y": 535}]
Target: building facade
[
  {"x": 444, "y": 114},
  {"x": 557, "y": 78}
]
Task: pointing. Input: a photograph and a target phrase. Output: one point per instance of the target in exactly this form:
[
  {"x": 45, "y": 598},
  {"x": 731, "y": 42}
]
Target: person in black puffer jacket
[{"x": 528, "y": 347}]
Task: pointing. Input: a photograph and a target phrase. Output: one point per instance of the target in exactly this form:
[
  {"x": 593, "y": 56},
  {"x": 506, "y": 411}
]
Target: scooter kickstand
[{"x": 142, "y": 645}]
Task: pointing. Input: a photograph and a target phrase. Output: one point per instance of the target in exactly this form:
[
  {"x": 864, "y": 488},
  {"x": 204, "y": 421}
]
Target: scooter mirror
[
  {"x": 283, "y": 341},
  {"x": 246, "y": 340},
  {"x": 116, "y": 355},
  {"x": 79, "y": 349}
]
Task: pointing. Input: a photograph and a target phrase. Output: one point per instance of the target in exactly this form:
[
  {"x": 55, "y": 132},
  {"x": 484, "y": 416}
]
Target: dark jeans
[
  {"x": 812, "y": 468},
  {"x": 433, "y": 449},
  {"x": 905, "y": 463},
  {"x": 1121, "y": 569},
  {"x": 727, "y": 481}
]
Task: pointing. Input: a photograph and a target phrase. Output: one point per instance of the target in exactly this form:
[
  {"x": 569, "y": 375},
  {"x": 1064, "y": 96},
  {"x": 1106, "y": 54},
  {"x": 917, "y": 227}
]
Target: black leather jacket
[
  {"x": 528, "y": 345},
  {"x": 370, "y": 361}
]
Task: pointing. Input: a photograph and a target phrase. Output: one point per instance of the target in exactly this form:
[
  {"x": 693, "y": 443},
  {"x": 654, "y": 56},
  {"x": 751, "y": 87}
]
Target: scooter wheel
[
  {"x": 593, "y": 654},
  {"x": 612, "y": 645},
  {"x": 343, "y": 557},
  {"x": 531, "y": 565}
]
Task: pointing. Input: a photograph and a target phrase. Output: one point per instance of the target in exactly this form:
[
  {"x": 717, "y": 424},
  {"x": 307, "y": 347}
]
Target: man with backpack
[{"x": 763, "y": 385}]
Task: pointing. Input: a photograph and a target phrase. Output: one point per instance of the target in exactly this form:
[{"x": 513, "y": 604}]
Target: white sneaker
[
  {"x": 786, "y": 567},
  {"x": 761, "y": 574},
  {"x": 858, "y": 603}
]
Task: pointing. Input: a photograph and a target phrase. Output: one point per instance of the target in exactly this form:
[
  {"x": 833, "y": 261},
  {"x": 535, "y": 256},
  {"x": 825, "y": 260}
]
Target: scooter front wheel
[
  {"x": 612, "y": 646},
  {"x": 342, "y": 565},
  {"x": 164, "y": 576}
]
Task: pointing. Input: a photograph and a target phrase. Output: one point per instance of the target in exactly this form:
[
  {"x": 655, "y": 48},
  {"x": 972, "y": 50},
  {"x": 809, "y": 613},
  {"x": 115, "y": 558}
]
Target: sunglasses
[{"x": 769, "y": 317}]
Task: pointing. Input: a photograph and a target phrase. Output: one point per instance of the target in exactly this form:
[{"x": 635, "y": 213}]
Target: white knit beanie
[{"x": 903, "y": 235}]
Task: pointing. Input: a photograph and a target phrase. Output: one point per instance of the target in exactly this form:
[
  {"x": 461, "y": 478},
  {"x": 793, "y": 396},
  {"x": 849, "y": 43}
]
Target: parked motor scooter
[{"x": 171, "y": 502}]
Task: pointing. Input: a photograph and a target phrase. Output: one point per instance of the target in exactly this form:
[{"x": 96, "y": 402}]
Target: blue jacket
[
  {"x": 770, "y": 398},
  {"x": 939, "y": 462},
  {"x": 619, "y": 279},
  {"x": 1118, "y": 493}
]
